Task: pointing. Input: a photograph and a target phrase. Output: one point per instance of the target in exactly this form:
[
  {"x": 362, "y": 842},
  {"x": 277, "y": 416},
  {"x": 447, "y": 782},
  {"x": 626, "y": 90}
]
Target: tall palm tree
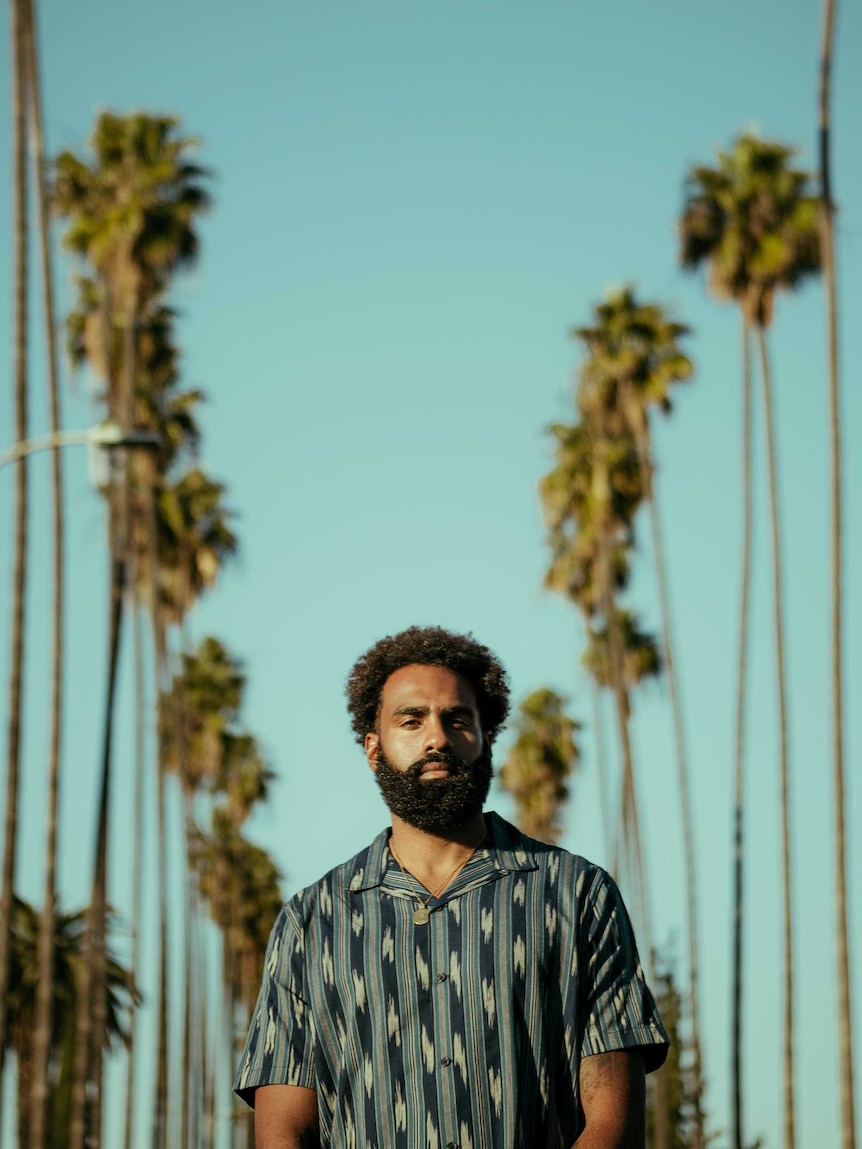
[
  {"x": 170, "y": 413},
  {"x": 211, "y": 754},
  {"x": 132, "y": 214},
  {"x": 42, "y": 1018},
  {"x": 590, "y": 499},
  {"x": 634, "y": 359},
  {"x": 241, "y": 887},
  {"x": 539, "y": 763},
  {"x": 754, "y": 220},
  {"x": 201, "y": 710},
  {"x": 19, "y": 577},
  {"x": 638, "y": 660},
  {"x": 827, "y": 246},
  {"x": 190, "y": 539},
  {"x": 67, "y": 961}
]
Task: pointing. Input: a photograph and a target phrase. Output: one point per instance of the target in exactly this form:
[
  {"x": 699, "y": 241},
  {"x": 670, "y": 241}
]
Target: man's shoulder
[{"x": 552, "y": 864}]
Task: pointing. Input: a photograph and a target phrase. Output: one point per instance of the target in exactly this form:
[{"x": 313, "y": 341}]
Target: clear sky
[{"x": 413, "y": 204}]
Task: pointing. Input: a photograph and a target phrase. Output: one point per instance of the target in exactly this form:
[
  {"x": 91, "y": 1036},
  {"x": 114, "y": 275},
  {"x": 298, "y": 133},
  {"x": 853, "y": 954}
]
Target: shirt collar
[{"x": 505, "y": 848}]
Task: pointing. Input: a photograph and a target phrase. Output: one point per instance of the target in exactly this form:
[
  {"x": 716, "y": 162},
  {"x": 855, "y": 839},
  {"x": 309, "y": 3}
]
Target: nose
[{"x": 436, "y": 735}]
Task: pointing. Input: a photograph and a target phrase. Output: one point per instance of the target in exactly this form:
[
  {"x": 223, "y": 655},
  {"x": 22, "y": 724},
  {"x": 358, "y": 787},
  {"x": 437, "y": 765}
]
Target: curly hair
[{"x": 427, "y": 646}]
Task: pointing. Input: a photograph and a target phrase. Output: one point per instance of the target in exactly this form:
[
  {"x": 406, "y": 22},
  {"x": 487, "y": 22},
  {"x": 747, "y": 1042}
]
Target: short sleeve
[
  {"x": 619, "y": 1010},
  {"x": 279, "y": 1049}
]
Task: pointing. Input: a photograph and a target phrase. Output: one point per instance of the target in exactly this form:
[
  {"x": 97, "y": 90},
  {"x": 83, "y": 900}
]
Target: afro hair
[{"x": 427, "y": 646}]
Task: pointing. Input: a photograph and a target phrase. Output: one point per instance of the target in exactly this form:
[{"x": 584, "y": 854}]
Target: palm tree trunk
[
  {"x": 206, "y": 1127},
  {"x": 602, "y": 766},
  {"x": 188, "y": 1005},
  {"x": 739, "y": 790},
  {"x": 160, "y": 1133},
  {"x": 197, "y": 1010},
  {"x": 19, "y": 577},
  {"x": 140, "y": 756},
  {"x": 646, "y": 468},
  {"x": 45, "y": 987},
  {"x": 160, "y": 1109},
  {"x": 827, "y": 252},
  {"x": 122, "y": 548},
  {"x": 93, "y": 1006},
  {"x": 93, "y": 1002},
  {"x": 189, "y": 900},
  {"x": 789, "y": 1096},
  {"x": 629, "y": 794}
]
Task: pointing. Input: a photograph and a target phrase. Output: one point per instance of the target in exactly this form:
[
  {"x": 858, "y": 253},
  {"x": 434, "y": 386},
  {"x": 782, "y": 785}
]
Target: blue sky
[{"x": 413, "y": 205}]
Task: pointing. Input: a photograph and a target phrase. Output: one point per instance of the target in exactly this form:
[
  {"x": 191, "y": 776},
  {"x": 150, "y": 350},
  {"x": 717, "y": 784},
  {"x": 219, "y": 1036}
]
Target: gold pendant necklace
[{"x": 422, "y": 915}]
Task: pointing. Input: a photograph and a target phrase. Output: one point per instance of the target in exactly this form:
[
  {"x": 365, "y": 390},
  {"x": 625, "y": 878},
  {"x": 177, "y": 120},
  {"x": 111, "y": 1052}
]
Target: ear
[{"x": 372, "y": 745}]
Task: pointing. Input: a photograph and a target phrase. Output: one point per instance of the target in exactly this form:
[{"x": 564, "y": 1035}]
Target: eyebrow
[{"x": 421, "y": 711}]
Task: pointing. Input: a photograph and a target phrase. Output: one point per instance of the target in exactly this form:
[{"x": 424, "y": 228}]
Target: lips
[
  {"x": 435, "y": 770},
  {"x": 440, "y": 766}
]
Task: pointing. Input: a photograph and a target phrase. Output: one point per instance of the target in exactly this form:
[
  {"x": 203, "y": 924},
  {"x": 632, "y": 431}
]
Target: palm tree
[
  {"x": 638, "y": 660},
  {"x": 13, "y": 753},
  {"x": 827, "y": 247},
  {"x": 754, "y": 220},
  {"x": 590, "y": 499},
  {"x": 203, "y": 706},
  {"x": 131, "y": 221},
  {"x": 634, "y": 359},
  {"x": 241, "y": 886},
  {"x": 539, "y": 762},
  {"x": 211, "y": 755},
  {"x": 68, "y": 961},
  {"x": 160, "y": 407},
  {"x": 42, "y": 1018},
  {"x": 190, "y": 539}
]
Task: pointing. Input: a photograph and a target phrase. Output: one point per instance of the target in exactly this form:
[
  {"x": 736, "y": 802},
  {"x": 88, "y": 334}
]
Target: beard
[{"x": 438, "y": 805}]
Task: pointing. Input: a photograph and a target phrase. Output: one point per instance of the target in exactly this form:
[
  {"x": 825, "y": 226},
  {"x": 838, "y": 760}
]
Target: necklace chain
[{"x": 421, "y": 914}]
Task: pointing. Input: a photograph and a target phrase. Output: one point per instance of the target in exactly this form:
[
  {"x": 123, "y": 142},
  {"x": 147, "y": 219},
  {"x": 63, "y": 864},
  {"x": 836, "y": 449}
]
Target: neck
[{"x": 430, "y": 856}]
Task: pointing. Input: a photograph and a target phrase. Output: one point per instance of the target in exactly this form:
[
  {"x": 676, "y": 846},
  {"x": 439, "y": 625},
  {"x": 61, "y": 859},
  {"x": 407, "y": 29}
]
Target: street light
[{"x": 108, "y": 435}]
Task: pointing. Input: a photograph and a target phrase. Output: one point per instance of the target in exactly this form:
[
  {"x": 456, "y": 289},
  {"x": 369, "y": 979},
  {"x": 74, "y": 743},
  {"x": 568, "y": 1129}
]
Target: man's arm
[
  {"x": 285, "y": 1117},
  {"x": 613, "y": 1097}
]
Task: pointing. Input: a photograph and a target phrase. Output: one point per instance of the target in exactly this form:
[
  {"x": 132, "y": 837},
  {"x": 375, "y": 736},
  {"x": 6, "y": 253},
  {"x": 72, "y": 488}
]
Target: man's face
[{"x": 428, "y": 753}]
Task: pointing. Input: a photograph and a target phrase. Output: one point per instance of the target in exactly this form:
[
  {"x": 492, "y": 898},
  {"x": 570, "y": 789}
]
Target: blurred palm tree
[
  {"x": 131, "y": 220},
  {"x": 540, "y": 762},
  {"x": 195, "y": 539},
  {"x": 827, "y": 241},
  {"x": 639, "y": 659},
  {"x": 590, "y": 498},
  {"x": 203, "y": 705},
  {"x": 753, "y": 220},
  {"x": 68, "y": 974},
  {"x": 634, "y": 359},
  {"x": 42, "y": 1020},
  {"x": 212, "y": 758},
  {"x": 241, "y": 887},
  {"x": 186, "y": 547},
  {"x": 19, "y": 577},
  {"x": 216, "y": 760}
]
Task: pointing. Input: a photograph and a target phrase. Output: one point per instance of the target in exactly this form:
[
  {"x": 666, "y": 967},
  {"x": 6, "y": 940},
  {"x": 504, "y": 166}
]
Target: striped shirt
[{"x": 462, "y": 1033}]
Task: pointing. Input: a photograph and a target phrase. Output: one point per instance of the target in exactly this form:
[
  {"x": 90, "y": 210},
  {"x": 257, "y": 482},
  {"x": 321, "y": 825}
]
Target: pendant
[{"x": 421, "y": 915}]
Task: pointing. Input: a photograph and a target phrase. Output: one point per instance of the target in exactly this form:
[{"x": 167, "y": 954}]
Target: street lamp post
[{"x": 108, "y": 435}]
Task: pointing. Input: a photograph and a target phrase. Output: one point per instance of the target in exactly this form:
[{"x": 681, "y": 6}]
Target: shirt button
[
  {"x": 446, "y": 1061},
  {"x": 441, "y": 977},
  {"x": 451, "y": 1145}
]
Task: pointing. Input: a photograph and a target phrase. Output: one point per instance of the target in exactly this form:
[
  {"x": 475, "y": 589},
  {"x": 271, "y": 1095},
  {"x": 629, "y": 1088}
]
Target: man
[{"x": 456, "y": 985}]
